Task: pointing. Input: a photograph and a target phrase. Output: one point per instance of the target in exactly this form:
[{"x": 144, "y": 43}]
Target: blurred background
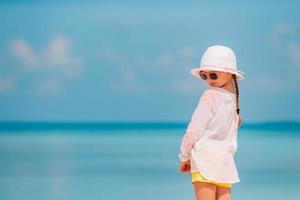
[{"x": 95, "y": 96}]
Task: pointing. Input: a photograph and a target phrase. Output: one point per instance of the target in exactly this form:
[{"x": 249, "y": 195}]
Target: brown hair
[{"x": 237, "y": 99}]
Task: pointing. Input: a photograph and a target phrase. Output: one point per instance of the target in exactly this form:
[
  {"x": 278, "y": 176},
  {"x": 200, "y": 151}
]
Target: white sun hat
[{"x": 218, "y": 58}]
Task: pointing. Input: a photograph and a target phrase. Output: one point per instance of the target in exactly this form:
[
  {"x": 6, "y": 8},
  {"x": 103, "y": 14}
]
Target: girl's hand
[{"x": 185, "y": 167}]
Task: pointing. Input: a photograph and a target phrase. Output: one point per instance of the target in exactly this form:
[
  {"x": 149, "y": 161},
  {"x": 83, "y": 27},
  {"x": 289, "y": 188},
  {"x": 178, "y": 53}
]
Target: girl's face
[{"x": 222, "y": 78}]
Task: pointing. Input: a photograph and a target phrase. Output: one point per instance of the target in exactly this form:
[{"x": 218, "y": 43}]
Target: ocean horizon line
[{"x": 133, "y": 125}]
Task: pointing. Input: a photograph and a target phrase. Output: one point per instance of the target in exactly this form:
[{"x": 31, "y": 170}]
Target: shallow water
[{"x": 135, "y": 164}]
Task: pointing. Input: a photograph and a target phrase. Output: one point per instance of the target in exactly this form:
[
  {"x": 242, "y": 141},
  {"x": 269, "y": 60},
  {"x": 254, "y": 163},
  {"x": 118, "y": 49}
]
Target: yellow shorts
[{"x": 196, "y": 176}]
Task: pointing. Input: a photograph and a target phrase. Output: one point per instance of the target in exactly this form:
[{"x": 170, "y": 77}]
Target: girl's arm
[{"x": 196, "y": 127}]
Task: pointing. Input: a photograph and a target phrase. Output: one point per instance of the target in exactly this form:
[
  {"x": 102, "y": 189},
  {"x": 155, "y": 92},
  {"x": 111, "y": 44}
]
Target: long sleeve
[{"x": 196, "y": 127}]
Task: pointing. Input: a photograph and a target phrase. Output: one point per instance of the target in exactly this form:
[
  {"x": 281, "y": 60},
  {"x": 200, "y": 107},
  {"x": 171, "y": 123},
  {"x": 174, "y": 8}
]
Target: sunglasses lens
[
  {"x": 203, "y": 76},
  {"x": 213, "y": 76}
]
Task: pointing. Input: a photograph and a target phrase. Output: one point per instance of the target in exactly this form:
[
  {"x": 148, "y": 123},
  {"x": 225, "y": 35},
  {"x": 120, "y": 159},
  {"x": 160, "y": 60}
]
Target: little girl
[{"x": 210, "y": 142}]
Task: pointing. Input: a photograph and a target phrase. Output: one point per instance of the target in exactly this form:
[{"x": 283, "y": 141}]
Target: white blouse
[{"x": 210, "y": 141}]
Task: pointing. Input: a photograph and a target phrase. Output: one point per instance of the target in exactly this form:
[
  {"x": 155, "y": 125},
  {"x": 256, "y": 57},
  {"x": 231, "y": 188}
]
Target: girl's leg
[
  {"x": 223, "y": 193},
  {"x": 205, "y": 191}
]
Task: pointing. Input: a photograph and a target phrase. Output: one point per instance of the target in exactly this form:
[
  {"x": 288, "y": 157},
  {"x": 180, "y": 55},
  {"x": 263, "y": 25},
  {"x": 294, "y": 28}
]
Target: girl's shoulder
[
  {"x": 210, "y": 94},
  {"x": 213, "y": 96},
  {"x": 221, "y": 91}
]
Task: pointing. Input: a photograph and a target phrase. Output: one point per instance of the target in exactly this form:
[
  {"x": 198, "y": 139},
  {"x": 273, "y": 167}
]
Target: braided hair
[{"x": 237, "y": 99}]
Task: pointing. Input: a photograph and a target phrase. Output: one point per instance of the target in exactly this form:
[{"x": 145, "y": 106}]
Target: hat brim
[{"x": 195, "y": 71}]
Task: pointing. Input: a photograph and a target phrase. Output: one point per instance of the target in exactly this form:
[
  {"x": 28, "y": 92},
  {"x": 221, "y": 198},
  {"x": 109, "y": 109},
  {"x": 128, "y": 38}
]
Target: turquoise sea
[{"x": 136, "y": 161}]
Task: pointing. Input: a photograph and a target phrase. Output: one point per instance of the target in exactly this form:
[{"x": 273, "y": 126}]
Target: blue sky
[{"x": 131, "y": 60}]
